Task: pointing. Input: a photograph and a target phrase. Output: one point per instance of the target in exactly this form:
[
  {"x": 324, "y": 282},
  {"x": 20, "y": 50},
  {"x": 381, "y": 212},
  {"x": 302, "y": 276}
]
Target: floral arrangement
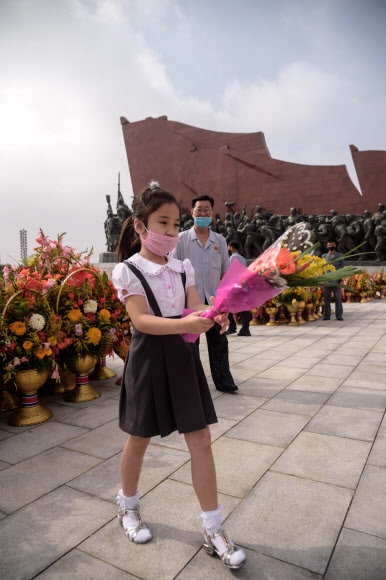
[
  {"x": 291, "y": 295},
  {"x": 81, "y": 305},
  {"x": 29, "y": 332}
]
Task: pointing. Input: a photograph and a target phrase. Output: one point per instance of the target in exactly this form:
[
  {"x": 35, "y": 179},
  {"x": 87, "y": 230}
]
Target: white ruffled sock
[
  {"x": 212, "y": 521},
  {"x": 129, "y": 520}
]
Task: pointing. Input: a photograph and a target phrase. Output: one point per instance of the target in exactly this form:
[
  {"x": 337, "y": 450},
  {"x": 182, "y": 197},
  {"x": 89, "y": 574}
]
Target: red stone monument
[{"x": 238, "y": 167}]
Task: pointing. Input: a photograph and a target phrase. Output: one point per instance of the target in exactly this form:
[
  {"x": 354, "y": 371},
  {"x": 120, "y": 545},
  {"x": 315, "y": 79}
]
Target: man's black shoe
[
  {"x": 228, "y": 388},
  {"x": 339, "y": 318},
  {"x": 230, "y": 331},
  {"x": 244, "y": 333},
  {"x": 326, "y": 318}
]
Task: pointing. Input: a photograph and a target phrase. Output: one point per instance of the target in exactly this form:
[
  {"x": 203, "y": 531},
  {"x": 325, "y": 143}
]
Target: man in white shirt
[{"x": 208, "y": 254}]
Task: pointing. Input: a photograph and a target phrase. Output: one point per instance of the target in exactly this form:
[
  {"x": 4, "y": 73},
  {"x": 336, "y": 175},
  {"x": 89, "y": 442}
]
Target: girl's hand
[
  {"x": 221, "y": 319},
  {"x": 194, "y": 324}
]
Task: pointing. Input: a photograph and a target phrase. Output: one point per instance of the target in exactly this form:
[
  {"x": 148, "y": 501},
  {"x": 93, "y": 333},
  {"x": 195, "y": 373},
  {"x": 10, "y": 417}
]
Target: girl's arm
[
  {"x": 144, "y": 322},
  {"x": 193, "y": 302}
]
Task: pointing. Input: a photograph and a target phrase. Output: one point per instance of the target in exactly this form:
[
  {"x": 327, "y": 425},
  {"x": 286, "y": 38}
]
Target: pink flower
[
  {"x": 24, "y": 359},
  {"x": 55, "y": 373},
  {"x": 9, "y": 367},
  {"x": 16, "y": 361},
  {"x": 78, "y": 330}
]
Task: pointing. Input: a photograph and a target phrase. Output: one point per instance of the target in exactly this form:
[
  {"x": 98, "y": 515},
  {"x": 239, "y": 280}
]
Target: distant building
[{"x": 23, "y": 245}]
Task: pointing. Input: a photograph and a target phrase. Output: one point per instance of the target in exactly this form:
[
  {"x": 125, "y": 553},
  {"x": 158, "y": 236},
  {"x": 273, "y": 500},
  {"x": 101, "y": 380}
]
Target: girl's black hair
[{"x": 144, "y": 204}]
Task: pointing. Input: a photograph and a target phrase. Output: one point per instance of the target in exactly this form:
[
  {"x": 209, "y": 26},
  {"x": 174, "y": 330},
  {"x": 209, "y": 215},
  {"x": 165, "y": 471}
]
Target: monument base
[{"x": 108, "y": 257}]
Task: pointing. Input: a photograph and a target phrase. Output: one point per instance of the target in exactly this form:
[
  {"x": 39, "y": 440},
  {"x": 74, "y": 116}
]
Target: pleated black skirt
[{"x": 164, "y": 388}]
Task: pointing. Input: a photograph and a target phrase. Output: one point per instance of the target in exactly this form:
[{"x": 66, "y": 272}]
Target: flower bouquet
[{"x": 287, "y": 263}]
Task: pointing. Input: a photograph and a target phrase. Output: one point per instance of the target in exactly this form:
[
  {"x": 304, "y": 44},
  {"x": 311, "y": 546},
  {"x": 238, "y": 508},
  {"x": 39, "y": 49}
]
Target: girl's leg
[
  {"x": 128, "y": 497},
  {"x": 131, "y": 463},
  {"x": 203, "y": 469},
  {"x": 205, "y": 486}
]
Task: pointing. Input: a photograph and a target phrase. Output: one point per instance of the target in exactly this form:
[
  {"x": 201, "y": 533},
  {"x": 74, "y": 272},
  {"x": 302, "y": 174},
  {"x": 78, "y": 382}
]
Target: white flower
[
  {"x": 90, "y": 306},
  {"x": 36, "y": 322}
]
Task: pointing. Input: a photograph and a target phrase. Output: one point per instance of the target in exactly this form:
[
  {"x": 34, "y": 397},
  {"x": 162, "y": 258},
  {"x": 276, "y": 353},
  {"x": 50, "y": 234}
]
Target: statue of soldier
[
  {"x": 252, "y": 247},
  {"x": 354, "y": 231},
  {"x": 380, "y": 214},
  {"x": 368, "y": 228},
  {"x": 380, "y": 234},
  {"x": 112, "y": 227}
]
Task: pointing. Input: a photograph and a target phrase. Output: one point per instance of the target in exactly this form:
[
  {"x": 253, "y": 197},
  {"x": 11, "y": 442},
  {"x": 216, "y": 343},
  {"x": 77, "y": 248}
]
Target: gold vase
[
  {"x": 272, "y": 311},
  {"x": 299, "y": 313},
  {"x": 67, "y": 381},
  {"x": 81, "y": 366},
  {"x": 383, "y": 292},
  {"x": 254, "y": 313},
  {"x": 282, "y": 317},
  {"x": 292, "y": 309},
  {"x": 309, "y": 307},
  {"x": 121, "y": 351},
  {"x": 8, "y": 401},
  {"x": 31, "y": 412},
  {"x": 101, "y": 371},
  {"x": 363, "y": 296}
]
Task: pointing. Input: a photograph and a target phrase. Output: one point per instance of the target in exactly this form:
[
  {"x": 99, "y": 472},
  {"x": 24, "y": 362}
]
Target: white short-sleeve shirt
[{"x": 164, "y": 280}]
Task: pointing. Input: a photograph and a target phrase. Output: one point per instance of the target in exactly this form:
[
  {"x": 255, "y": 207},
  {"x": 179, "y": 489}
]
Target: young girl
[{"x": 164, "y": 388}]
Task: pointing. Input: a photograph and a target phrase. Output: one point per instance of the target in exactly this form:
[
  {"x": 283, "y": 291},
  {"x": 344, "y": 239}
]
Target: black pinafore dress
[{"x": 164, "y": 388}]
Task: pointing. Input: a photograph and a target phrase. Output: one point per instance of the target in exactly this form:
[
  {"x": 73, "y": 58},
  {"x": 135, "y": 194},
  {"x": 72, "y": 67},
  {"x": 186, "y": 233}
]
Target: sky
[{"x": 309, "y": 74}]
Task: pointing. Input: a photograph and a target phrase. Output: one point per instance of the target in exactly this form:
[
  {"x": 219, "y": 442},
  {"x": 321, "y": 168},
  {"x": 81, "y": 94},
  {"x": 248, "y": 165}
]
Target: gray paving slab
[
  {"x": 4, "y": 465},
  {"x": 93, "y": 417},
  {"x": 361, "y": 398},
  {"x": 326, "y": 370},
  {"x": 267, "y": 388},
  {"x": 269, "y": 428},
  {"x": 257, "y": 567},
  {"x": 343, "y": 359},
  {"x": 298, "y": 402},
  {"x": 324, "y": 458},
  {"x": 239, "y": 465},
  {"x": 361, "y": 378},
  {"x": 237, "y": 407},
  {"x": 37, "y": 440},
  {"x": 368, "y": 511},
  {"x": 378, "y": 452},
  {"x": 171, "y": 511},
  {"x": 177, "y": 441},
  {"x": 377, "y": 357},
  {"x": 30, "y": 479},
  {"x": 104, "y": 441},
  {"x": 290, "y": 518},
  {"x": 315, "y": 384},
  {"x": 4, "y": 435},
  {"x": 280, "y": 373},
  {"x": 47, "y": 529},
  {"x": 76, "y": 564},
  {"x": 104, "y": 480},
  {"x": 358, "y": 556},
  {"x": 346, "y": 422}
]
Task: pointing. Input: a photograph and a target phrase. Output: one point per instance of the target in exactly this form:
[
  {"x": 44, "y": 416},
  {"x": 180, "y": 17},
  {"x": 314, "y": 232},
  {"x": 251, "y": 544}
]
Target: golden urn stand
[
  {"x": 82, "y": 392},
  {"x": 32, "y": 412},
  {"x": 292, "y": 310},
  {"x": 101, "y": 371}
]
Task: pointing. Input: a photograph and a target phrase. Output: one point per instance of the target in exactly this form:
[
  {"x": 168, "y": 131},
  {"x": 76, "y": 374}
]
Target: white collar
[{"x": 147, "y": 267}]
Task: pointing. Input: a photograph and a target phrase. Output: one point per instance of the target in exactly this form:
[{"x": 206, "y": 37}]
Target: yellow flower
[
  {"x": 53, "y": 340},
  {"x": 105, "y": 313},
  {"x": 18, "y": 328},
  {"x": 27, "y": 345},
  {"x": 94, "y": 335},
  {"x": 75, "y": 315}
]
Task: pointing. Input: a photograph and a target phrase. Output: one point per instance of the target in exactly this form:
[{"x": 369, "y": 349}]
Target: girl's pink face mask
[{"x": 159, "y": 244}]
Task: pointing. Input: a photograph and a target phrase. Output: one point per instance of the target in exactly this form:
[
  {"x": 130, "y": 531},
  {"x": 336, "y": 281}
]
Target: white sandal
[
  {"x": 132, "y": 531},
  {"x": 225, "y": 557}
]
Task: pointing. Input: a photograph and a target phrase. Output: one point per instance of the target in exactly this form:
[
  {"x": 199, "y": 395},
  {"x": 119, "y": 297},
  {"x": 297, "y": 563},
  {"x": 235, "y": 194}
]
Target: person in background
[
  {"x": 207, "y": 251},
  {"x": 233, "y": 248},
  {"x": 338, "y": 262},
  {"x": 164, "y": 388}
]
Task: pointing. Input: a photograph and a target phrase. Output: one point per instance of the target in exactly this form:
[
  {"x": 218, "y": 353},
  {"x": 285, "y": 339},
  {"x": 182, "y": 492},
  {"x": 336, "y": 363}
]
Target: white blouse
[{"x": 164, "y": 280}]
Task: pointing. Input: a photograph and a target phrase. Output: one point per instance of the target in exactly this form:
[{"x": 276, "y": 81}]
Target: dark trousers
[
  {"x": 218, "y": 357},
  {"x": 338, "y": 301},
  {"x": 245, "y": 318}
]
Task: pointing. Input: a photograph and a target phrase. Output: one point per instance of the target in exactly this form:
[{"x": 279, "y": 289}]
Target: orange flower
[
  {"x": 27, "y": 345},
  {"x": 105, "y": 313},
  {"x": 52, "y": 340},
  {"x": 18, "y": 328},
  {"x": 94, "y": 335},
  {"x": 284, "y": 262},
  {"x": 40, "y": 354},
  {"x": 75, "y": 315}
]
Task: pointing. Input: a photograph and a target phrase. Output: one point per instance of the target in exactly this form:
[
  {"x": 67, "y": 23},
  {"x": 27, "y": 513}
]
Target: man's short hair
[
  {"x": 203, "y": 198},
  {"x": 234, "y": 244}
]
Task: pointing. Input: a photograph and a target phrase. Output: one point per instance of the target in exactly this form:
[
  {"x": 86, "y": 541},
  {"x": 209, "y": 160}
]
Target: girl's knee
[{"x": 199, "y": 440}]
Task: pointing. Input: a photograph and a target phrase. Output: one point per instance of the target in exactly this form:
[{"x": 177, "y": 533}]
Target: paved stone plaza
[{"x": 301, "y": 463}]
